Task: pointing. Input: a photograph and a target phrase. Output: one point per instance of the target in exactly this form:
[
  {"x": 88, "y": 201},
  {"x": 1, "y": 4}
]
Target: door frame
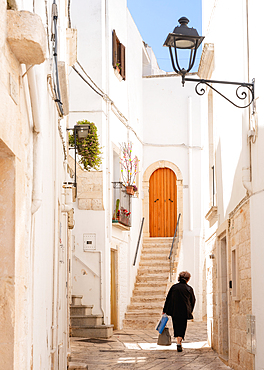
[
  {"x": 114, "y": 288},
  {"x": 223, "y": 289},
  {"x": 179, "y": 183}
]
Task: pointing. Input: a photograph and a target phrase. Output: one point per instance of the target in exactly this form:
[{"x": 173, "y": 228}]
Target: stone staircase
[
  {"x": 84, "y": 324},
  {"x": 151, "y": 284}
]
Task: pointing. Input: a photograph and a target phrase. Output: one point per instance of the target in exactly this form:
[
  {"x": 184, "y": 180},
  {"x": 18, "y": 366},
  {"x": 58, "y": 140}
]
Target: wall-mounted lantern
[
  {"x": 187, "y": 38},
  {"x": 81, "y": 132}
]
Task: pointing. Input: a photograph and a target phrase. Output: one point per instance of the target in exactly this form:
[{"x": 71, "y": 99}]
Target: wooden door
[
  {"x": 162, "y": 203},
  {"x": 113, "y": 289}
]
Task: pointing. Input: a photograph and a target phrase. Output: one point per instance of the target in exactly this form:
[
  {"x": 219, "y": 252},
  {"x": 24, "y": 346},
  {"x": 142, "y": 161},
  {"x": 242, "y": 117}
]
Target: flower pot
[{"x": 130, "y": 190}]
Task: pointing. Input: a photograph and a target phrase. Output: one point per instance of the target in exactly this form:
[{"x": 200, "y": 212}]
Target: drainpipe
[
  {"x": 101, "y": 286},
  {"x": 105, "y": 274},
  {"x": 37, "y": 142},
  {"x": 246, "y": 141},
  {"x": 190, "y": 163}
]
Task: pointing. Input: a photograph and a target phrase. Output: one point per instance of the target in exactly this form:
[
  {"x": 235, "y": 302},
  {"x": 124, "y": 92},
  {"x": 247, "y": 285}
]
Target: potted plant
[
  {"x": 116, "y": 215},
  {"x": 125, "y": 216},
  {"x": 88, "y": 148},
  {"x": 129, "y": 167},
  {"x": 118, "y": 67}
]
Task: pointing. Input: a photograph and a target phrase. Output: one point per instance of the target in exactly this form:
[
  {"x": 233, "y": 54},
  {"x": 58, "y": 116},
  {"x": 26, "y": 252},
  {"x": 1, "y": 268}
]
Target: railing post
[
  {"x": 172, "y": 245},
  {"x": 139, "y": 237}
]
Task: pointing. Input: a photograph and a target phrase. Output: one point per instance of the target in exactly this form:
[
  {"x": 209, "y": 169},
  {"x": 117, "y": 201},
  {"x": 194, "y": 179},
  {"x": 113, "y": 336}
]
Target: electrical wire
[
  {"x": 54, "y": 39},
  {"x": 47, "y": 24},
  {"x": 118, "y": 113},
  {"x": 79, "y": 64},
  {"x": 97, "y": 92},
  {"x": 69, "y": 13}
]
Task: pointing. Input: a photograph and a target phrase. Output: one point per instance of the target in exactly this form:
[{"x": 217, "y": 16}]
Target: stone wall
[
  {"x": 241, "y": 305},
  {"x": 89, "y": 187},
  {"x": 90, "y": 190},
  {"x": 15, "y": 214},
  {"x": 212, "y": 288},
  {"x": 236, "y": 233}
]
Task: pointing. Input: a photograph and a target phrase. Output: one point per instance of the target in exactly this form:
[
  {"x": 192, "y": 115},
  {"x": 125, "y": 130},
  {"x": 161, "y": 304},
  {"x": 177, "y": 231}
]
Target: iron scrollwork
[{"x": 243, "y": 90}]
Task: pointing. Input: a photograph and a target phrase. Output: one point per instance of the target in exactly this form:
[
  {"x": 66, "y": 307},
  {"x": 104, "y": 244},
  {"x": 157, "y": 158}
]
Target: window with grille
[{"x": 119, "y": 56}]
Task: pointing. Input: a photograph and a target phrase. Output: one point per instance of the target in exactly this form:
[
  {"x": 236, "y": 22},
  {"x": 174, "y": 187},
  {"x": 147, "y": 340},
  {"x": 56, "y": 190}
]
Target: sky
[{"x": 155, "y": 19}]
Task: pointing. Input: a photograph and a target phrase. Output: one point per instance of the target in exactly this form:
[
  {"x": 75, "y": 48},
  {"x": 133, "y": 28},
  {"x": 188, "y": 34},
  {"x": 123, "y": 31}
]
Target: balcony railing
[{"x": 121, "y": 205}]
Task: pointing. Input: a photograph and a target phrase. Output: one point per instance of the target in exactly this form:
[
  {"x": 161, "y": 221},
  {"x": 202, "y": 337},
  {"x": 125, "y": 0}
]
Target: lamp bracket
[{"x": 243, "y": 90}]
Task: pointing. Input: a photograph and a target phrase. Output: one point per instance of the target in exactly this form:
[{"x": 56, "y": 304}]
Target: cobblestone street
[{"x": 137, "y": 349}]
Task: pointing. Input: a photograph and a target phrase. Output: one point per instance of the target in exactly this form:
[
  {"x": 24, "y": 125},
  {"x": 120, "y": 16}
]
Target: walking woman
[{"x": 179, "y": 305}]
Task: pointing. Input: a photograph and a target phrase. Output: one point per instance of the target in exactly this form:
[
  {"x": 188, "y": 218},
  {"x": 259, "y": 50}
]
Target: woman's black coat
[{"x": 180, "y": 301}]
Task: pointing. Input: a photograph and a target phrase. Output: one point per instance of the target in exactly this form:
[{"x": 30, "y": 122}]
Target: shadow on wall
[
  {"x": 86, "y": 280},
  {"x": 238, "y": 191},
  {"x": 219, "y": 182},
  {"x": 204, "y": 298},
  {"x": 7, "y": 250},
  {"x": 237, "y": 188}
]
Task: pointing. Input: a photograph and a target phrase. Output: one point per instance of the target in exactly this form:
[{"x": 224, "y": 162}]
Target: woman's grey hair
[{"x": 184, "y": 275}]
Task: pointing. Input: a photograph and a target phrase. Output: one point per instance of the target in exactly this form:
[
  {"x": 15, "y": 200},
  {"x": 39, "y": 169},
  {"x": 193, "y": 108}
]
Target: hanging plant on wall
[{"x": 88, "y": 148}]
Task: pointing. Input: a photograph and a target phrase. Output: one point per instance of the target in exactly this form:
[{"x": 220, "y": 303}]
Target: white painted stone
[{"x": 26, "y": 36}]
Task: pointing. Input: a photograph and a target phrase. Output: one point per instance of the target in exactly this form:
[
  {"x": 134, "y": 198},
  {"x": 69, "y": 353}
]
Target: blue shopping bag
[{"x": 162, "y": 323}]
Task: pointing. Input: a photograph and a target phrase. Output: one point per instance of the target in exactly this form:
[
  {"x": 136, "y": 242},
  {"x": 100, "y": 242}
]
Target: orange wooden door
[{"x": 162, "y": 203}]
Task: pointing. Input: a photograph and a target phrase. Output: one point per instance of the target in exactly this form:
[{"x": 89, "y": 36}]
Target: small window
[{"x": 119, "y": 54}]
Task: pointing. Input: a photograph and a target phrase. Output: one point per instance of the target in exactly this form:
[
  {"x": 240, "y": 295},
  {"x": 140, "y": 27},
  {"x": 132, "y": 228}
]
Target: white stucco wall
[
  {"x": 257, "y": 201},
  {"x": 40, "y": 250},
  {"x": 113, "y": 130},
  {"x": 173, "y": 132},
  {"x": 234, "y": 62}
]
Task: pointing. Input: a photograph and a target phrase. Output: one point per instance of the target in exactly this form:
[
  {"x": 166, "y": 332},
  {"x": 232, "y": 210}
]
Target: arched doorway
[{"x": 162, "y": 203}]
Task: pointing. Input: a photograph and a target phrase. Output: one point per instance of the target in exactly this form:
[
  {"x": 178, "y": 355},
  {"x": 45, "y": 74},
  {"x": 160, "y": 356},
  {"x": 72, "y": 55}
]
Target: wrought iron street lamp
[
  {"x": 187, "y": 38},
  {"x": 80, "y": 131}
]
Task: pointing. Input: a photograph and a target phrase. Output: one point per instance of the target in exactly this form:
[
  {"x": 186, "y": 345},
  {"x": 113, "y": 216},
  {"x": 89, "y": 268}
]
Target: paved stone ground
[{"x": 137, "y": 349}]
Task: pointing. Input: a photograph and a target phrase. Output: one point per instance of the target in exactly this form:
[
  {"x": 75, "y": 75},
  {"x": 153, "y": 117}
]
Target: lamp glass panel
[
  {"x": 185, "y": 44},
  {"x": 82, "y": 133}
]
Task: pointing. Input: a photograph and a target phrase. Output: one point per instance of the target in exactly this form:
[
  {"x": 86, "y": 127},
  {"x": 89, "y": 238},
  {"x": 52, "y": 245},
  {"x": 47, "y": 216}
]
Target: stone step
[
  {"x": 151, "y": 285},
  {"x": 148, "y": 299},
  {"x": 157, "y": 240},
  {"x": 81, "y": 310},
  {"x": 146, "y": 262},
  {"x": 87, "y": 320},
  {"x": 152, "y": 251},
  {"x": 99, "y": 331},
  {"x": 152, "y": 277},
  {"x": 146, "y": 292},
  {"x": 155, "y": 259},
  {"x": 147, "y": 247},
  {"x": 144, "y": 315},
  {"x": 154, "y": 256},
  {"x": 153, "y": 270},
  {"x": 77, "y": 366},
  {"x": 145, "y": 306},
  {"x": 76, "y": 300}
]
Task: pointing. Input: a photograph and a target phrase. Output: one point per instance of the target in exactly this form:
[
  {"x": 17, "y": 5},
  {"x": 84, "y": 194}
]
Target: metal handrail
[
  {"x": 139, "y": 237},
  {"x": 172, "y": 245},
  {"x": 174, "y": 235}
]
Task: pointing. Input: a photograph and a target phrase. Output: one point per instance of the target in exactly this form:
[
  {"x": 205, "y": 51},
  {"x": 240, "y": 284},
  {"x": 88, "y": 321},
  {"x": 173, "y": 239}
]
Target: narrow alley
[{"x": 137, "y": 349}]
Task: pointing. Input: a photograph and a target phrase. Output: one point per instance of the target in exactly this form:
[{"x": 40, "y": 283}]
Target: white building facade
[
  {"x": 234, "y": 184},
  {"x": 35, "y": 251},
  {"x": 143, "y": 105}
]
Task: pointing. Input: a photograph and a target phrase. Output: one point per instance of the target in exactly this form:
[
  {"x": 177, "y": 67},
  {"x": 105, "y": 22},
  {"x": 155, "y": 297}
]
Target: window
[{"x": 119, "y": 53}]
